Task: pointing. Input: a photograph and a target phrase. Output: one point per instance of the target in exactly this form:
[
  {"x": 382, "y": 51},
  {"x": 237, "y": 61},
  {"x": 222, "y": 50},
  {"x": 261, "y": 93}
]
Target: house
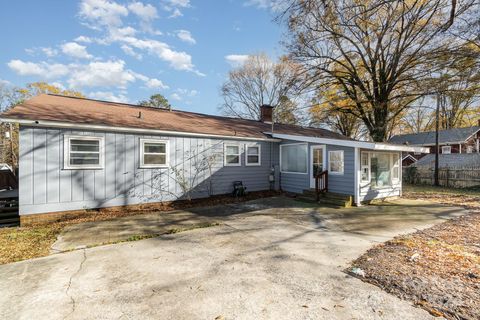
[
  {"x": 80, "y": 153},
  {"x": 457, "y": 140},
  {"x": 464, "y": 160}
]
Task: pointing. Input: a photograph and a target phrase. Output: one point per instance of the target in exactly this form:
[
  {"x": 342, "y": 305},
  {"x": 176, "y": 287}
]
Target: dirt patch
[
  {"x": 21, "y": 243},
  {"x": 437, "y": 268}
]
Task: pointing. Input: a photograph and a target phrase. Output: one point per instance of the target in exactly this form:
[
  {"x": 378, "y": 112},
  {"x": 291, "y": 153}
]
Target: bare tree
[
  {"x": 261, "y": 81},
  {"x": 382, "y": 54}
]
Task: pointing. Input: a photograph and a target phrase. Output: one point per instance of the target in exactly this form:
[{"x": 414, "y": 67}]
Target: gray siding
[
  {"x": 45, "y": 186},
  {"x": 343, "y": 183},
  {"x": 293, "y": 182}
]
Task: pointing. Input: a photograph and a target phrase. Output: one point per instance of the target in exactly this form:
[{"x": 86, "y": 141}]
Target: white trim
[
  {"x": 395, "y": 180},
  {"x": 254, "y": 164},
  {"x": 368, "y": 166},
  {"x": 351, "y": 143},
  {"x": 239, "y": 154},
  {"x": 449, "y": 149},
  {"x": 339, "y": 173},
  {"x": 410, "y": 156},
  {"x": 357, "y": 176},
  {"x": 291, "y": 144},
  {"x": 59, "y": 124},
  {"x": 142, "y": 153},
  {"x": 324, "y": 161},
  {"x": 66, "y": 153}
]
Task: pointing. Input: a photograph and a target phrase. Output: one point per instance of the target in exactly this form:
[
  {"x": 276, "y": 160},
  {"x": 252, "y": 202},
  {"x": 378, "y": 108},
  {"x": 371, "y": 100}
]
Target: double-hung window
[
  {"x": 153, "y": 153},
  {"x": 253, "y": 155},
  {"x": 335, "y": 162},
  {"x": 232, "y": 155},
  {"x": 395, "y": 168},
  {"x": 83, "y": 152},
  {"x": 365, "y": 159}
]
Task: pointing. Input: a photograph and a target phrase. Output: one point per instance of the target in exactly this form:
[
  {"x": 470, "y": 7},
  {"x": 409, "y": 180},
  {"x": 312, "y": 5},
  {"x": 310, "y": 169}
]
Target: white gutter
[
  {"x": 69, "y": 125},
  {"x": 351, "y": 143}
]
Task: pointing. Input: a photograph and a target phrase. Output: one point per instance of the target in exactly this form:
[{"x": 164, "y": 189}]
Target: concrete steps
[{"x": 327, "y": 198}]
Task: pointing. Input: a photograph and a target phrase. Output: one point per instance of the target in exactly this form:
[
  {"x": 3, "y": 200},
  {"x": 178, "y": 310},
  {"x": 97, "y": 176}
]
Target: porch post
[{"x": 357, "y": 171}]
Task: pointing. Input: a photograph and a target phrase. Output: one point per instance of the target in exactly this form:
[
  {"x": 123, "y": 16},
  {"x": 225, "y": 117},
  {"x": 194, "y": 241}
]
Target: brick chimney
[{"x": 266, "y": 113}]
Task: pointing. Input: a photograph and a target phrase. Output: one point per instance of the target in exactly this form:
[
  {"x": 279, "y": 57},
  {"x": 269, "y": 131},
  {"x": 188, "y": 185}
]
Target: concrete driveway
[{"x": 278, "y": 260}]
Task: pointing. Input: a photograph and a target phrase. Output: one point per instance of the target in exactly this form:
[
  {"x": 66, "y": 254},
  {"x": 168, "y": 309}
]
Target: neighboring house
[
  {"x": 458, "y": 140},
  {"x": 464, "y": 160},
  {"x": 80, "y": 153}
]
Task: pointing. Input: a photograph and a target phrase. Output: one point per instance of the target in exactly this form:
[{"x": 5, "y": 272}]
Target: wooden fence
[{"x": 455, "y": 177}]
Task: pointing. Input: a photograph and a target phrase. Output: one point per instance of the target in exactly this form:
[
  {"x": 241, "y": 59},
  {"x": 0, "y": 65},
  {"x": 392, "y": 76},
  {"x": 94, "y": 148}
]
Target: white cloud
[
  {"x": 175, "y": 96},
  {"x": 273, "y": 5},
  {"x": 108, "y": 96},
  {"x": 103, "y": 12},
  {"x": 75, "y": 50},
  {"x": 180, "y": 3},
  {"x": 101, "y": 74},
  {"x": 236, "y": 60},
  {"x": 49, "y": 52},
  {"x": 144, "y": 12},
  {"x": 83, "y": 39},
  {"x": 42, "y": 69},
  {"x": 178, "y": 59},
  {"x": 174, "y": 6},
  {"x": 111, "y": 73},
  {"x": 181, "y": 94},
  {"x": 58, "y": 85},
  {"x": 5, "y": 82},
  {"x": 129, "y": 51},
  {"x": 185, "y": 36},
  {"x": 155, "y": 84}
]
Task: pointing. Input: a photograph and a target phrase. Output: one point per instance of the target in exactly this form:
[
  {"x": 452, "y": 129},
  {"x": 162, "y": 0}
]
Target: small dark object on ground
[{"x": 238, "y": 189}]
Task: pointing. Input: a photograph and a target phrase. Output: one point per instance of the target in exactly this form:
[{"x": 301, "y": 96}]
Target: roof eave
[
  {"x": 95, "y": 127},
  {"x": 350, "y": 143}
]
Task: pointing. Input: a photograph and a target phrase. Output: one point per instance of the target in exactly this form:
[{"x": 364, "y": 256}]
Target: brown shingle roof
[{"x": 48, "y": 107}]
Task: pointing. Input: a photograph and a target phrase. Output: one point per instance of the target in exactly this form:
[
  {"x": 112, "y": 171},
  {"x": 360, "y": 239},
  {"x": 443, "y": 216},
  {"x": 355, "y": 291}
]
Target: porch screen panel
[{"x": 380, "y": 170}]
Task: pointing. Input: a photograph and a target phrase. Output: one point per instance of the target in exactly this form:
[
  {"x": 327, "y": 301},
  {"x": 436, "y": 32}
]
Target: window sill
[
  {"x": 288, "y": 172},
  {"x": 253, "y": 164},
  {"x": 83, "y": 168},
  {"x": 232, "y": 164},
  {"x": 146, "y": 166}
]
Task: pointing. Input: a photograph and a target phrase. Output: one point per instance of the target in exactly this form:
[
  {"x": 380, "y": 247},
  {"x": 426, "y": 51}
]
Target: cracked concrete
[
  {"x": 69, "y": 285},
  {"x": 264, "y": 264}
]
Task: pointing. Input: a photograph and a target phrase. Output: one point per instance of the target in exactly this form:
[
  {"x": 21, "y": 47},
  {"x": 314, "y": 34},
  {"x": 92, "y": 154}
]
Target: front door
[{"x": 317, "y": 162}]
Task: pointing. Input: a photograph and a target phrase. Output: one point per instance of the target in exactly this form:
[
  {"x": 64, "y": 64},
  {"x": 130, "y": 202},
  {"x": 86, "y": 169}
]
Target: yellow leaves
[{"x": 37, "y": 88}]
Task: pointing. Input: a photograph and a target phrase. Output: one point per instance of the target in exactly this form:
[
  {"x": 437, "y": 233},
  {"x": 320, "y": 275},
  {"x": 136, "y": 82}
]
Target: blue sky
[{"x": 128, "y": 50}]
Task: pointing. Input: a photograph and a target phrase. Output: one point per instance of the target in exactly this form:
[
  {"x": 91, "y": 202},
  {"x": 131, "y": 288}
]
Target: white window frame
[
  {"x": 66, "y": 152},
  {"x": 393, "y": 181},
  {"x": 469, "y": 149},
  {"x": 395, "y": 166},
  {"x": 330, "y": 162},
  {"x": 306, "y": 158},
  {"x": 225, "y": 163},
  {"x": 142, "y": 153},
  {"x": 449, "y": 148},
  {"x": 367, "y": 166},
  {"x": 259, "y": 163}
]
